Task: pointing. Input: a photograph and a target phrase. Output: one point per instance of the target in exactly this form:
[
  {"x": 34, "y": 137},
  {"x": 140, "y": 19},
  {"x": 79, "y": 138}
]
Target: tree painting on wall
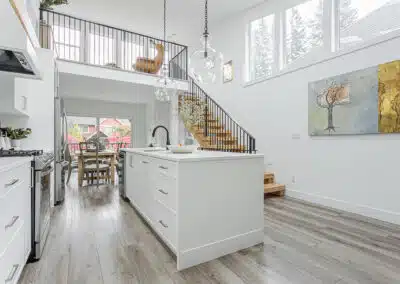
[
  {"x": 345, "y": 104},
  {"x": 361, "y": 102},
  {"x": 333, "y": 96}
]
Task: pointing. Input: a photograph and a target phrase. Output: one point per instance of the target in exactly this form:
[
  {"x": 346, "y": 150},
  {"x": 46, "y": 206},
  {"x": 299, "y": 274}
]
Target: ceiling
[{"x": 185, "y": 17}]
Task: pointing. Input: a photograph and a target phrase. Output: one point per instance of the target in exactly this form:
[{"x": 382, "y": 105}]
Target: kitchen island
[{"x": 202, "y": 205}]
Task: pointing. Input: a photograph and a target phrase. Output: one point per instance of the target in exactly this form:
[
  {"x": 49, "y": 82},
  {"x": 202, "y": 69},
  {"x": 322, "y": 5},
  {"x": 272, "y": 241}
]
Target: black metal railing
[
  {"x": 221, "y": 131},
  {"x": 93, "y": 43}
]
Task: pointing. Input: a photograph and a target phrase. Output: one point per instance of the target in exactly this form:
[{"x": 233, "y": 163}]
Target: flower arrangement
[{"x": 192, "y": 112}]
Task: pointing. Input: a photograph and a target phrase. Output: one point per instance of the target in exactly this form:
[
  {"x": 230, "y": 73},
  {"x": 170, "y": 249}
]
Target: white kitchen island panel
[{"x": 203, "y": 205}]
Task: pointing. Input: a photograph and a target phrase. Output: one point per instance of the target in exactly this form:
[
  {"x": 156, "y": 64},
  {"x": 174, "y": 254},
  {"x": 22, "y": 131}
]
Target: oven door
[{"x": 43, "y": 187}]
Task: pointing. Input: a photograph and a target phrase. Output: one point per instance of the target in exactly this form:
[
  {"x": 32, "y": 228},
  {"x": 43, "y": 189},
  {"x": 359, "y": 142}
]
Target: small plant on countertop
[
  {"x": 48, "y": 4},
  {"x": 18, "y": 133}
]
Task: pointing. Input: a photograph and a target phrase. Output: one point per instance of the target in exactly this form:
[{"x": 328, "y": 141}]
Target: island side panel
[{"x": 220, "y": 208}]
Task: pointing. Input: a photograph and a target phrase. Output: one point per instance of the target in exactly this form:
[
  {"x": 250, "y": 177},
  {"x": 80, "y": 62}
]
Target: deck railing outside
[
  {"x": 74, "y": 147},
  {"x": 97, "y": 44}
]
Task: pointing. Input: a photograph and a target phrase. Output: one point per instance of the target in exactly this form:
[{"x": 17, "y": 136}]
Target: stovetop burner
[{"x": 20, "y": 153}]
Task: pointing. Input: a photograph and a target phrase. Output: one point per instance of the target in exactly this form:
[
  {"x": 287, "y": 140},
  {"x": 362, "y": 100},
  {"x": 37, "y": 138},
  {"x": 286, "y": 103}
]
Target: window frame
[
  {"x": 59, "y": 42},
  {"x": 248, "y": 47},
  {"x": 329, "y": 50}
]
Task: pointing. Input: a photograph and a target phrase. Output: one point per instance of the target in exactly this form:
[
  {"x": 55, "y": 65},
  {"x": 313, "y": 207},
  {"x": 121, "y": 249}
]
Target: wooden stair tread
[
  {"x": 267, "y": 174},
  {"x": 274, "y": 187}
]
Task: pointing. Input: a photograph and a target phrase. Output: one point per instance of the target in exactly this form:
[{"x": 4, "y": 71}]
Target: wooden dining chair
[{"x": 97, "y": 170}]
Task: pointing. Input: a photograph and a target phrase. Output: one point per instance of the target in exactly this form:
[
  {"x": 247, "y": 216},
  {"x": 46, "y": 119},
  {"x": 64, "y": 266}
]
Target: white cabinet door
[
  {"x": 22, "y": 89},
  {"x": 129, "y": 176}
]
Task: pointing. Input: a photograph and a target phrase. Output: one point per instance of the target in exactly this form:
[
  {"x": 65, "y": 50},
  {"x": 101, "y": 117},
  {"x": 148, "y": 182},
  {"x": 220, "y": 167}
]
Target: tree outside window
[
  {"x": 261, "y": 47},
  {"x": 304, "y": 29}
]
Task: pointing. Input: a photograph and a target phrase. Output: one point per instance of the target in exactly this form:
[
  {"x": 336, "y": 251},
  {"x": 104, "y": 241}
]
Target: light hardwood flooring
[{"x": 98, "y": 238}]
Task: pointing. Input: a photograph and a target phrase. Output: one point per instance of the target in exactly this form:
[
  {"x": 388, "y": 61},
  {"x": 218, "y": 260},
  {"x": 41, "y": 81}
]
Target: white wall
[
  {"x": 40, "y": 108},
  {"x": 354, "y": 173}
]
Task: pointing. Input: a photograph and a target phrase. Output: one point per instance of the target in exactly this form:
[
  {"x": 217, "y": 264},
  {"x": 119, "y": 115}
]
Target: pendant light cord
[
  {"x": 165, "y": 22},
  {"x": 206, "y": 19},
  {"x": 205, "y": 34}
]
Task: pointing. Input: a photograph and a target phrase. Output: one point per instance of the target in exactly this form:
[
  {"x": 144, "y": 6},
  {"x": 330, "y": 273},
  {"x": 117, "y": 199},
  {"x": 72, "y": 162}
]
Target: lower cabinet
[
  {"x": 201, "y": 206},
  {"x": 15, "y": 221},
  {"x": 152, "y": 191}
]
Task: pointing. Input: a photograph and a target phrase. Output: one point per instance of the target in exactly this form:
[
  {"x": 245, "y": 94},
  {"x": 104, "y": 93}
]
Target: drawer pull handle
[
  {"x": 144, "y": 162},
  {"x": 163, "y": 192},
  {"x": 163, "y": 167},
  {"x": 12, "y": 273},
  {"x": 14, "y": 181},
  {"x": 14, "y": 219},
  {"x": 163, "y": 224}
]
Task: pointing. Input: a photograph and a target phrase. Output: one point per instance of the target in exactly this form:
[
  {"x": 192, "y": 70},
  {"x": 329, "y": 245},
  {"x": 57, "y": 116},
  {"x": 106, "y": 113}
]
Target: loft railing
[
  {"x": 97, "y": 44},
  {"x": 228, "y": 136}
]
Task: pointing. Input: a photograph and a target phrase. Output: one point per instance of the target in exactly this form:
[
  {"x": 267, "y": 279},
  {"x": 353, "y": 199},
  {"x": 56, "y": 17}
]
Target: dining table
[{"x": 106, "y": 154}]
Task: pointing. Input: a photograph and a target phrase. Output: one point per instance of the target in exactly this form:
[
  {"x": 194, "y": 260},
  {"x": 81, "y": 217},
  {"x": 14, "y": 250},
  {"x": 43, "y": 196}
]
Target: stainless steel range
[{"x": 42, "y": 186}]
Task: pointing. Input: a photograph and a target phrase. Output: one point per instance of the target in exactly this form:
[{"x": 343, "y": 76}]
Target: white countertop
[
  {"x": 195, "y": 156},
  {"x": 12, "y": 162}
]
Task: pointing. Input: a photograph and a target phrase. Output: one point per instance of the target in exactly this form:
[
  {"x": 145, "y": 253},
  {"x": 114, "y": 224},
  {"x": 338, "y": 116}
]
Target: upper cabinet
[
  {"x": 19, "y": 40},
  {"x": 15, "y": 95}
]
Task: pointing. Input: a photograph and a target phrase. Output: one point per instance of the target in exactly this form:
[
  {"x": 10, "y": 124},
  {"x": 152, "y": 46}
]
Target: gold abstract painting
[{"x": 389, "y": 97}]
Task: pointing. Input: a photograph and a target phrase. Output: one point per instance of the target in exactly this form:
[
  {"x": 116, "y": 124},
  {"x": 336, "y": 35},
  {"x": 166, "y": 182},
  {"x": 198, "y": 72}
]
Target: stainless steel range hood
[
  {"x": 18, "y": 41},
  {"x": 11, "y": 61}
]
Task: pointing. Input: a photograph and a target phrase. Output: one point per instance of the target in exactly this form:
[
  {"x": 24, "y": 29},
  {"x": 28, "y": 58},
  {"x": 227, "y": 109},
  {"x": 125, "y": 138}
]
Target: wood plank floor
[{"x": 98, "y": 238}]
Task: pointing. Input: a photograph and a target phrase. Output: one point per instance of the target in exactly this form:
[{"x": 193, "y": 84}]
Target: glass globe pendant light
[
  {"x": 165, "y": 85},
  {"x": 206, "y": 62}
]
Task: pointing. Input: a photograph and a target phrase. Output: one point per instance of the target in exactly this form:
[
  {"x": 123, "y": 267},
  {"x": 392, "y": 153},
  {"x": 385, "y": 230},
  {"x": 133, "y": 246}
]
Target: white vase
[{"x": 16, "y": 143}]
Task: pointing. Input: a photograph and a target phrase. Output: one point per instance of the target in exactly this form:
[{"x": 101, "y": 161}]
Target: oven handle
[{"x": 47, "y": 171}]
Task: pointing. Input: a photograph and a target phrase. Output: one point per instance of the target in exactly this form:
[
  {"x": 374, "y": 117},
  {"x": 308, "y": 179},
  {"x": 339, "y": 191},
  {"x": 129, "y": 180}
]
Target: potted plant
[
  {"x": 48, "y": 4},
  {"x": 46, "y": 31},
  {"x": 16, "y": 135}
]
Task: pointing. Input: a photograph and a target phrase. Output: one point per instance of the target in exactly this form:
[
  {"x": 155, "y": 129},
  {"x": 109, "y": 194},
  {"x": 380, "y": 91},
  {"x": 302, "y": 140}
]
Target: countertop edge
[
  {"x": 15, "y": 162},
  {"x": 196, "y": 159}
]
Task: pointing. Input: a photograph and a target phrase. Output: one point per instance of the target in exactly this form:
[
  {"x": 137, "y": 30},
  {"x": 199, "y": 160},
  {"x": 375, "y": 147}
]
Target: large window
[
  {"x": 304, "y": 30},
  {"x": 261, "y": 49},
  {"x": 101, "y": 48},
  {"x": 68, "y": 42},
  {"x": 362, "y": 20},
  {"x": 129, "y": 52}
]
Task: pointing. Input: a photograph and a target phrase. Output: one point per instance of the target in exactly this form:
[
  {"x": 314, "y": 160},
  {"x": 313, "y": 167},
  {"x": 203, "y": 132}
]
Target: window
[
  {"x": 101, "y": 48},
  {"x": 361, "y": 20},
  {"x": 303, "y": 29},
  {"x": 67, "y": 41},
  {"x": 261, "y": 47},
  {"x": 130, "y": 50}
]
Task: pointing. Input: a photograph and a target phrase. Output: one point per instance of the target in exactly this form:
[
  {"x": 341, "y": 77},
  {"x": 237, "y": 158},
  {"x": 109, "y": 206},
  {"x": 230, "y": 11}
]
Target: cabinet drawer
[
  {"x": 165, "y": 223},
  {"x": 165, "y": 190},
  {"x": 12, "y": 260},
  {"x": 13, "y": 178},
  {"x": 13, "y": 212},
  {"x": 166, "y": 167}
]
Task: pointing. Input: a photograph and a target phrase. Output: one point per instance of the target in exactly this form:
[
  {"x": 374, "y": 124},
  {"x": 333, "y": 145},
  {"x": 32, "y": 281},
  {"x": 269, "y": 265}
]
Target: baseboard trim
[
  {"x": 195, "y": 256},
  {"x": 384, "y": 215}
]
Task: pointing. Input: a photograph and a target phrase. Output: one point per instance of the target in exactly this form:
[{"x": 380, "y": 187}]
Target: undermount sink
[{"x": 154, "y": 150}]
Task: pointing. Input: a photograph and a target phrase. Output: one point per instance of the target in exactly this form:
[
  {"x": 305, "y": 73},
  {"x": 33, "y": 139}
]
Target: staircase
[
  {"x": 271, "y": 187},
  {"x": 217, "y": 131}
]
